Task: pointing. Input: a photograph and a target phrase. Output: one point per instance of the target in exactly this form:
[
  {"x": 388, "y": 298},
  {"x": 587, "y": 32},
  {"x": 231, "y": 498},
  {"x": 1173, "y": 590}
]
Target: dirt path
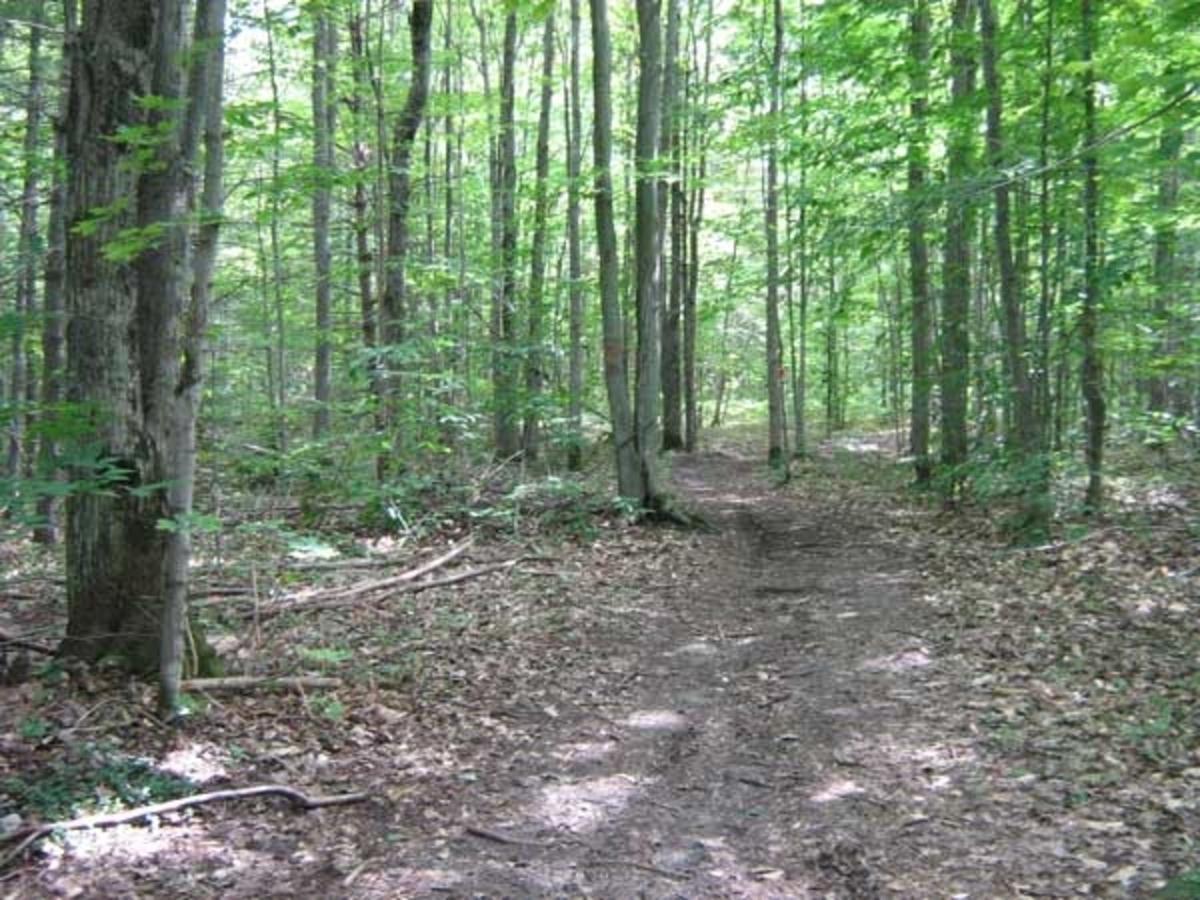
[
  {"x": 758, "y": 744},
  {"x": 838, "y": 694}
]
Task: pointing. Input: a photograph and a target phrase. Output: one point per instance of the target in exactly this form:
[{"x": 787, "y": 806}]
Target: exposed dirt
[{"x": 781, "y": 709}]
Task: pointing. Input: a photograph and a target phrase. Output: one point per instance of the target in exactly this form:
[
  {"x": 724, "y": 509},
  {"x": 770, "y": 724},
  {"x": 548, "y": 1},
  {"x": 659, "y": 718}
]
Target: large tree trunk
[
  {"x": 1092, "y": 371},
  {"x": 918, "y": 247},
  {"x": 132, "y": 349},
  {"x": 671, "y": 192},
  {"x": 629, "y": 476},
  {"x": 324, "y": 108},
  {"x": 776, "y": 437},
  {"x": 575, "y": 251},
  {"x": 956, "y": 302},
  {"x": 394, "y": 308},
  {"x": 534, "y": 376},
  {"x": 647, "y": 251}
]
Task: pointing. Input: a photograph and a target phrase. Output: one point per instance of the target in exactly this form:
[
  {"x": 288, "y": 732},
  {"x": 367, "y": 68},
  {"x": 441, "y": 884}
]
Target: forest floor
[{"x": 842, "y": 691}]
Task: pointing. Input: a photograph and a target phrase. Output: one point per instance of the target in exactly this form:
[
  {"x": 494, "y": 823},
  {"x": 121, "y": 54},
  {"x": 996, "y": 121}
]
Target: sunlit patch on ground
[
  {"x": 898, "y": 662},
  {"x": 656, "y": 720},
  {"x": 836, "y": 789},
  {"x": 585, "y": 751},
  {"x": 584, "y": 805},
  {"x": 199, "y": 763},
  {"x": 696, "y": 648},
  {"x": 137, "y": 842}
]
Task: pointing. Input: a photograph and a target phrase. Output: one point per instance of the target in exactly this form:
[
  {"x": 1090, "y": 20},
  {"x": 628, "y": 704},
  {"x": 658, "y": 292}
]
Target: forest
[{"x": 458, "y": 408}]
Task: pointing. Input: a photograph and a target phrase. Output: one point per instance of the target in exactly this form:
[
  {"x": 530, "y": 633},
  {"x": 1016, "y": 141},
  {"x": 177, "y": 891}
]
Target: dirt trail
[{"x": 759, "y": 744}]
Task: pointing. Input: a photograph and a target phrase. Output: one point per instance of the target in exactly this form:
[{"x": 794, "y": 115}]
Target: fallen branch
[
  {"x": 341, "y": 596},
  {"x": 407, "y": 588},
  {"x": 28, "y": 837},
  {"x": 253, "y": 682},
  {"x": 20, "y": 642}
]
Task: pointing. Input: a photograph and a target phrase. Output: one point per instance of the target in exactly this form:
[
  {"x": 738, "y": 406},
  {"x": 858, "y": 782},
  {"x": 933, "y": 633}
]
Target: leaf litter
[{"x": 846, "y": 692}]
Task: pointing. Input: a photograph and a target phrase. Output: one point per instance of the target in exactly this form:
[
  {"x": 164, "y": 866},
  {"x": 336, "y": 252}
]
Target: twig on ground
[
  {"x": 253, "y": 682},
  {"x": 13, "y": 640},
  {"x": 298, "y": 798},
  {"x": 500, "y": 838}
]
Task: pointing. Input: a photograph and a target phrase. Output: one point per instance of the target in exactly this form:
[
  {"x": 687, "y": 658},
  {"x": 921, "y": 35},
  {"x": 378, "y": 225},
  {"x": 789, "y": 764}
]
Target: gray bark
[
  {"x": 324, "y": 109},
  {"x": 629, "y": 477}
]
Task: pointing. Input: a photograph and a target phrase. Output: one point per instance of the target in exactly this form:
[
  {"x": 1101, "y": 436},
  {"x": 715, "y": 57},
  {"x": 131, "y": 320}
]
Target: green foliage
[
  {"x": 1182, "y": 887},
  {"x": 97, "y": 779}
]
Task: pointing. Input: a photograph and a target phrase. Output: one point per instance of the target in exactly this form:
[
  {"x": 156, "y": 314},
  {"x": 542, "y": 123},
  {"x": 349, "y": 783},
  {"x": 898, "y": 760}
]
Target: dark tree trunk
[
  {"x": 1092, "y": 370},
  {"x": 776, "y": 455},
  {"x": 647, "y": 251},
  {"x": 575, "y": 249},
  {"x": 671, "y": 192},
  {"x": 394, "y": 307},
  {"x": 956, "y": 302},
  {"x": 918, "y": 246},
  {"x": 534, "y": 375}
]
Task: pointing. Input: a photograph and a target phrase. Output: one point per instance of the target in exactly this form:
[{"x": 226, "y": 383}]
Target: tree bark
[
  {"x": 324, "y": 109},
  {"x": 670, "y": 191},
  {"x": 22, "y": 385},
  {"x": 53, "y": 293},
  {"x": 647, "y": 250},
  {"x": 505, "y": 367},
  {"x": 629, "y": 475},
  {"x": 575, "y": 250},
  {"x": 394, "y": 307},
  {"x": 776, "y": 454},
  {"x": 534, "y": 374},
  {"x": 918, "y": 246},
  {"x": 956, "y": 301},
  {"x": 1092, "y": 369}
]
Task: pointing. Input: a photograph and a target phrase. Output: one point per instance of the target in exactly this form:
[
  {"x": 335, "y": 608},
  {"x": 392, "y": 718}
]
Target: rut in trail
[{"x": 754, "y": 740}]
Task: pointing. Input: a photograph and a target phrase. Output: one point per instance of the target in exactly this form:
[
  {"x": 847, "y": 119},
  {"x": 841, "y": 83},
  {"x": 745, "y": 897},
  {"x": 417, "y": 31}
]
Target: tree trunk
[
  {"x": 534, "y": 376},
  {"x": 647, "y": 251},
  {"x": 25, "y": 299},
  {"x": 575, "y": 250},
  {"x": 324, "y": 109},
  {"x": 1163, "y": 398},
  {"x": 956, "y": 302},
  {"x": 1024, "y": 433},
  {"x": 132, "y": 345},
  {"x": 506, "y": 412},
  {"x": 394, "y": 308},
  {"x": 54, "y": 293},
  {"x": 776, "y": 437},
  {"x": 671, "y": 192},
  {"x": 918, "y": 247},
  {"x": 204, "y": 120},
  {"x": 1092, "y": 370},
  {"x": 629, "y": 476}
]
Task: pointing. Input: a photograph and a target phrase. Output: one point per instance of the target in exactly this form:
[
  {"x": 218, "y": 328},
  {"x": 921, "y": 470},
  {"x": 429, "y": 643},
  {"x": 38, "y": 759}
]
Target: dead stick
[
  {"x": 110, "y": 820},
  {"x": 249, "y": 682},
  {"x": 411, "y": 574},
  {"x": 14, "y": 641}
]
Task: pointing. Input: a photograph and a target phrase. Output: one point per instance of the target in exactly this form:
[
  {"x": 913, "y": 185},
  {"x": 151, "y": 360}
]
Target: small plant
[
  {"x": 98, "y": 781},
  {"x": 325, "y": 656},
  {"x": 328, "y": 707}
]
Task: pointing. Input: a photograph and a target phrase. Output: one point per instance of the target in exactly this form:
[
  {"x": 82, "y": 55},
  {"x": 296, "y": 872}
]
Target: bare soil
[{"x": 832, "y": 695}]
